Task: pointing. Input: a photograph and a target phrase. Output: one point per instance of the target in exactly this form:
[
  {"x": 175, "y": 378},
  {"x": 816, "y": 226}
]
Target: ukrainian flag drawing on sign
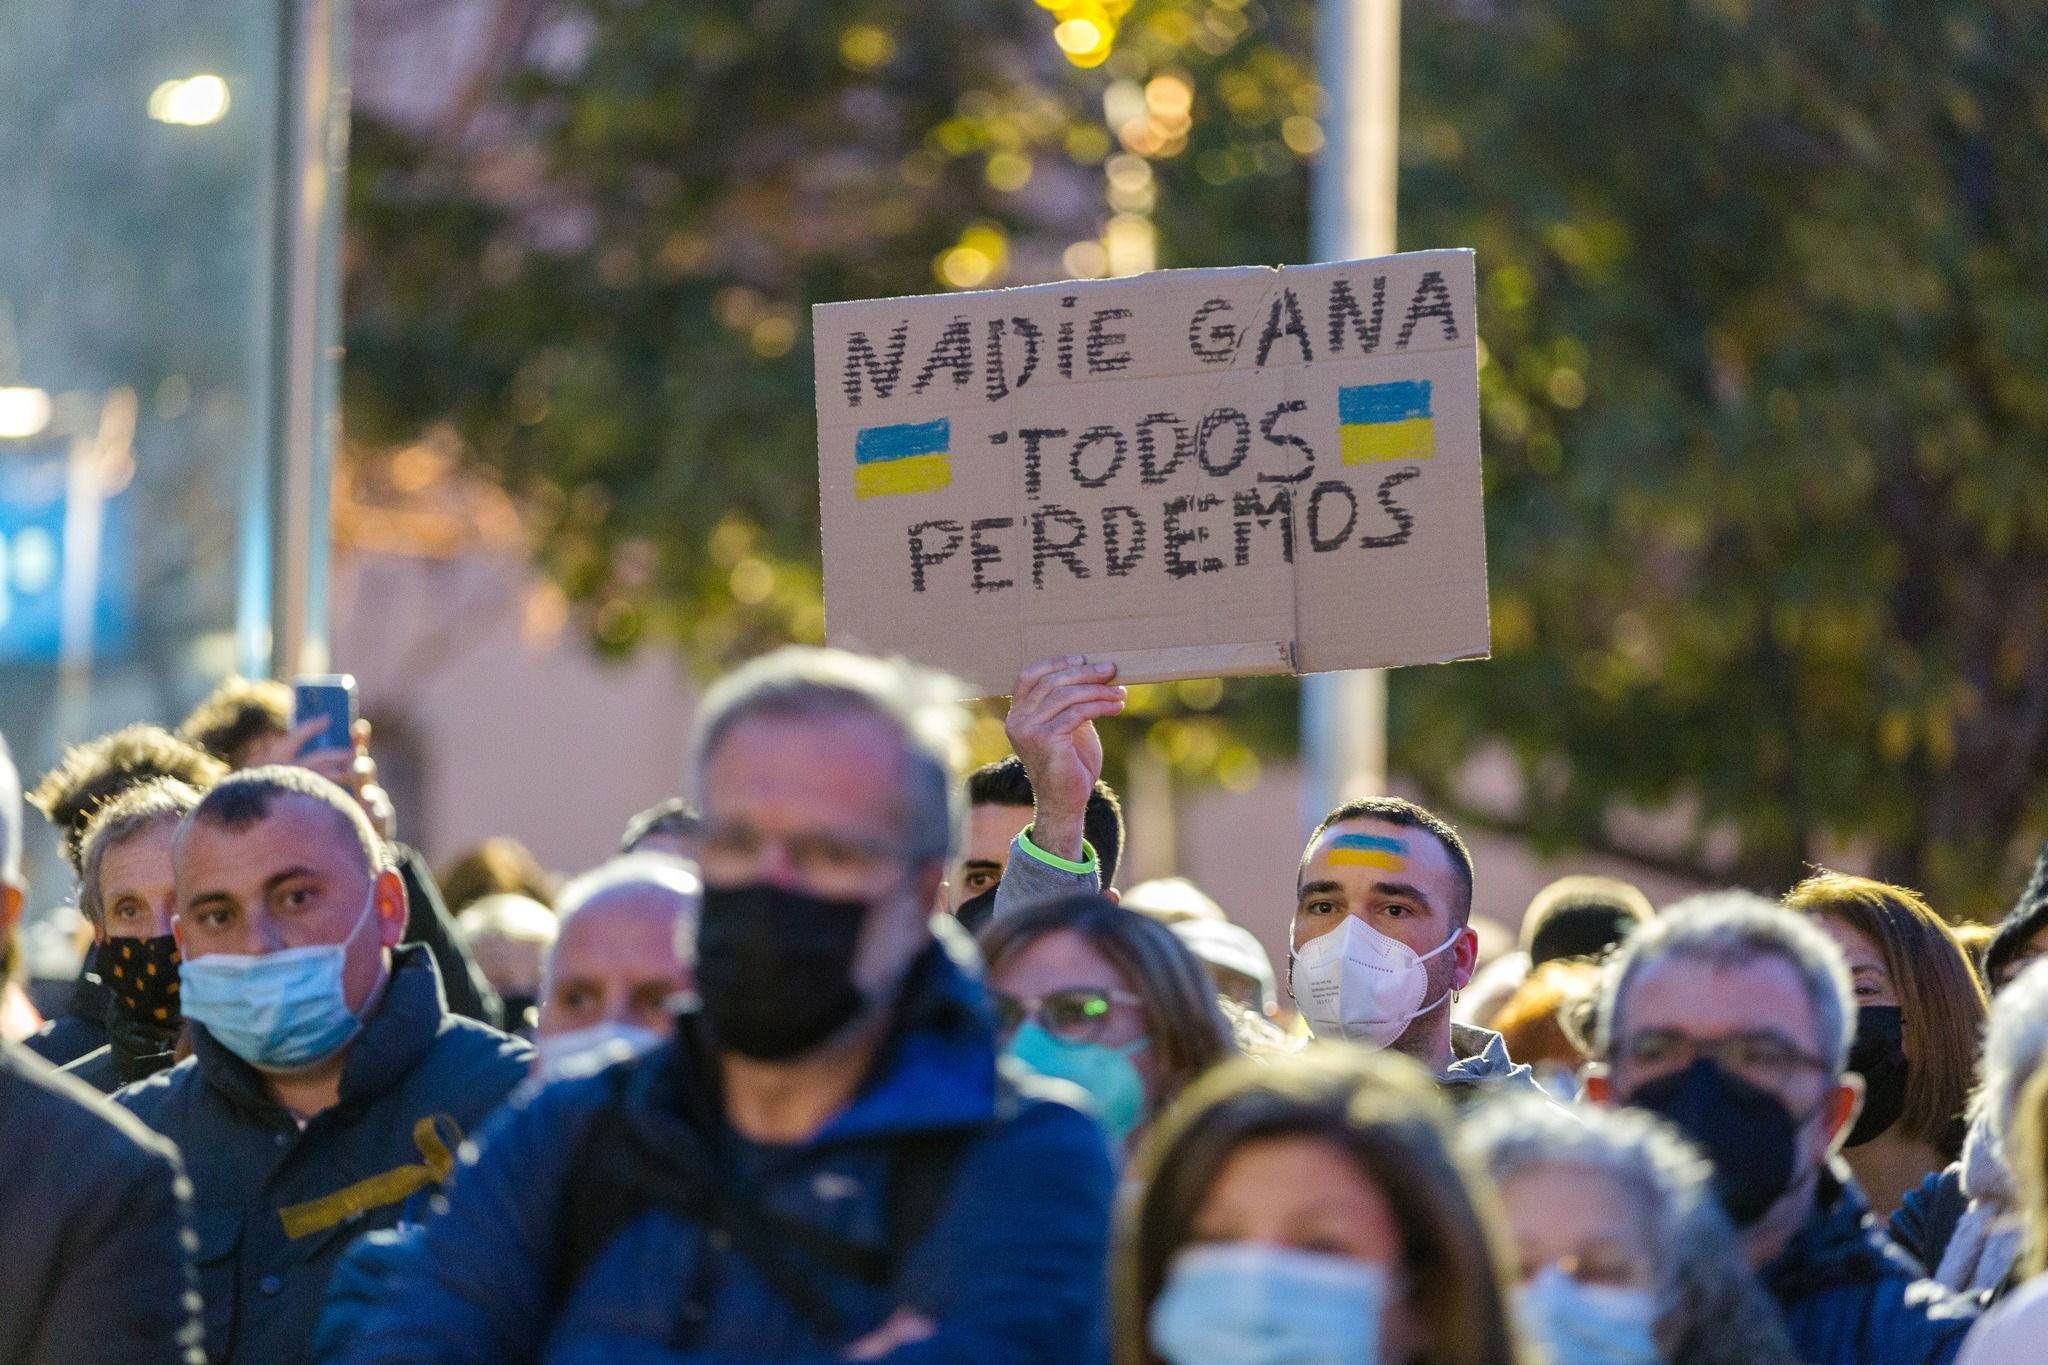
[
  {"x": 1386, "y": 422},
  {"x": 913, "y": 457}
]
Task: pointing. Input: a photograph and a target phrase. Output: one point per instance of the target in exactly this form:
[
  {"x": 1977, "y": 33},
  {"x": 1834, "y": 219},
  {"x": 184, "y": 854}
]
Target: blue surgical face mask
[
  {"x": 1588, "y": 1324},
  {"x": 1106, "y": 1073},
  {"x": 281, "y": 1011},
  {"x": 1241, "y": 1303}
]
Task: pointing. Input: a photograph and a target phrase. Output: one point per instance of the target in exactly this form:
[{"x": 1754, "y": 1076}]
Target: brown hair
[
  {"x": 160, "y": 800},
  {"x": 236, "y": 712},
  {"x": 1188, "y": 1031},
  {"x": 1532, "y": 1022},
  {"x": 497, "y": 866},
  {"x": 1941, "y": 1001},
  {"x": 1382, "y": 1112},
  {"x": 95, "y": 772}
]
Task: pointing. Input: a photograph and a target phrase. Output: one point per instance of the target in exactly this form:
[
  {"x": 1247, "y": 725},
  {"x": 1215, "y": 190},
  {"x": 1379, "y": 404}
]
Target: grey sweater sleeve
[{"x": 1028, "y": 880}]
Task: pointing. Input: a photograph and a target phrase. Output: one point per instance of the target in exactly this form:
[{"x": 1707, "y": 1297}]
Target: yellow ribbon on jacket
[{"x": 393, "y": 1186}]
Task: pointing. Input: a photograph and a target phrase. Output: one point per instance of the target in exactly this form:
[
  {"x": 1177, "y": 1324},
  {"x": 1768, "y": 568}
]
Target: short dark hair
[
  {"x": 1005, "y": 783},
  {"x": 674, "y": 817},
  {"x": 95, "y": 772},
  {"x": 1394, "y": 810},
  {"x": 238, "y": 711},
  {"x": 243, "y": 799},
  {"x": 1582, "y": 916},
  {"x": 2029, "y": 917}
]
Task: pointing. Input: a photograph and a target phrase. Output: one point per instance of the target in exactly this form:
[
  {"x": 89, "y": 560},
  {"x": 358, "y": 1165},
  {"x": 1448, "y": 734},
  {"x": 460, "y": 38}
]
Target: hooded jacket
[
  {"x": 1850, "y": 1297},
  {"x": 96, "y": 1213},
  {"x": 276, "y": 1205},
  {"x": 1482, "y": 1066},
  {"x": 1010, "y": 1269}
]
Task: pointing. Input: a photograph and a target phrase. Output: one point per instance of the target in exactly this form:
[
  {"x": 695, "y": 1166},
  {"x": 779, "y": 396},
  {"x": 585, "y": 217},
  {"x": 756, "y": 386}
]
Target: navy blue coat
[
  {"x": 1011, "y": 1267},
  {"x": 1852, "y": 1298},
  {"x": 275, "y": 1207},
  {"x": 93, "y": 1206}
]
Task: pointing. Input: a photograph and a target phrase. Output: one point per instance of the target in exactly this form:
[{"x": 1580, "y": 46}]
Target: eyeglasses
[
  {"x": 1762, "y": 1057},
  {"x": 829, "y": 863},
  {"x": 1076, "y": 1013}
]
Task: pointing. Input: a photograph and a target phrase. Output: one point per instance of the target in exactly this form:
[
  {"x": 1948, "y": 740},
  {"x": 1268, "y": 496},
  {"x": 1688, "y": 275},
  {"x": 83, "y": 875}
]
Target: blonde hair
[{"x": 2029, "y": 1162}]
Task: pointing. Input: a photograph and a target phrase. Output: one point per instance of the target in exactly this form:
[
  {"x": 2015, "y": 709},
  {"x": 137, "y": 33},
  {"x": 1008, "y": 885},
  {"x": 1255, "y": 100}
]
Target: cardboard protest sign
[{"x": 1193, "y": 473}]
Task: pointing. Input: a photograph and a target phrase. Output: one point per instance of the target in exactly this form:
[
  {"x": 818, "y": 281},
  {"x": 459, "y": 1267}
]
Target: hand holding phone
[{"x": 330, "y": 698}]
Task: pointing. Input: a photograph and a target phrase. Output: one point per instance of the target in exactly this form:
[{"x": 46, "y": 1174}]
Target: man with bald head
[
  {"x": 329, "y": 1087},
  {"x": 621, "y": 956}
]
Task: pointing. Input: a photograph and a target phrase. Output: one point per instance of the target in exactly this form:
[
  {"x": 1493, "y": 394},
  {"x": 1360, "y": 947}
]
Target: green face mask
[{"x": 1106, "y": 1073}]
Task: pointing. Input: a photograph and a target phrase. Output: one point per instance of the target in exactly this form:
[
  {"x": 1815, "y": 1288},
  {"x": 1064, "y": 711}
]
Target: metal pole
[
  {"x": 1352, "y": 211},
  {"x": 312, "y": 140}
]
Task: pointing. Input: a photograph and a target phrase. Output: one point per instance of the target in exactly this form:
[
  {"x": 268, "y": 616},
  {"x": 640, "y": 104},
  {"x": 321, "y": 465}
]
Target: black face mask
[
  {"x": 1879, "y": 1057},
  {"x": 1745, "y": 1130},
  {"x": 775, "y": 968},
  {"x": 142, "y": 974},
  {"x": 976, "y": 911}
]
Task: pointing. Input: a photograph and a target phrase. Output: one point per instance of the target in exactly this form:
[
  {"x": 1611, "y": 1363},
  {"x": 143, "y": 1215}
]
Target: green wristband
[{"x": 1087, "y": 867}]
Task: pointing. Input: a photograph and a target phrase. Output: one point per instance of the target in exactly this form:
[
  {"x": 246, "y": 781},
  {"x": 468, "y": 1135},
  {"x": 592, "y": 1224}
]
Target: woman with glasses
[
  {"x": 1108, "y": 999},
  {"x": 1624, "y": 1256},
  {"x": 1309, "y": 1209}
]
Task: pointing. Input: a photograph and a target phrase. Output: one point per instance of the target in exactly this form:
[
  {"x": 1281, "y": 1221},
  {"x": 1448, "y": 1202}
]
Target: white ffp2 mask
[{"x": 1358, "y": 983}]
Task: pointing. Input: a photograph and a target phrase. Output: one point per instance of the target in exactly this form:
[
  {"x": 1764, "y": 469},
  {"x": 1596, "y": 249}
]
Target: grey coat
[{"x": 95, "y": 1219}]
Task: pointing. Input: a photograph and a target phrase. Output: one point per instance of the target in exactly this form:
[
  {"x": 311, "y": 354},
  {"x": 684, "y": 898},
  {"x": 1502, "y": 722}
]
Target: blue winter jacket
[
  {"x": 1010, "y": 1268},
  {"x": 274, "y": 1205},
  {"x": 1852, "y": 1298}
]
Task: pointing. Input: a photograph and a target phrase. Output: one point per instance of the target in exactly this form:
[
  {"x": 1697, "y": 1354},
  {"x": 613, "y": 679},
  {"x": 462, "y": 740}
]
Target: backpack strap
[{"x": 614, "y": 1179}]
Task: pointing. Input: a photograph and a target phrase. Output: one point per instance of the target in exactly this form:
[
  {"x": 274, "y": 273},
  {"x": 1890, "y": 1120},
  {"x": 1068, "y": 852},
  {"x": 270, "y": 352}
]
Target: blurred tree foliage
[{"x": 1765, "y": 389}]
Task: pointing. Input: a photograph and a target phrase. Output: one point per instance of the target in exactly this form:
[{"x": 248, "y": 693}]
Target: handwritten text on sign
[{"x": 1194, "y": 472}]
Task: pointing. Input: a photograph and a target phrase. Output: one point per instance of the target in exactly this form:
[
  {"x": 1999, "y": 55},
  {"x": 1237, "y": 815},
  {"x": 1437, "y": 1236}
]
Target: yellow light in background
[
  {"x": 963, "y": 267},
  {"x": 1302, "y": 134},
  {"x": 1085, "y": 41},
  {"x": 982, "y": 254},
  {"x": 1085, "y": 261},
  {"x": 1009, "y": 171},
  {"x": 865, "y": 47},
  {"x": 773, "y": 335},
  {"x": 24, "y": 412},
  {"x": 1132, "y": 244},
  {"x": 752, "y": 582},
  {"x": 191, "y": 103},
  {"x": 1170, "y": 97}
]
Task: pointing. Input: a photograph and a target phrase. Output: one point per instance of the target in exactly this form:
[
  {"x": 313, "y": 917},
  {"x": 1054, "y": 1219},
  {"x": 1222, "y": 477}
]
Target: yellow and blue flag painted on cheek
[
  {"x": 1379, "y": 422},
  {"x": 912, "y": 457}
]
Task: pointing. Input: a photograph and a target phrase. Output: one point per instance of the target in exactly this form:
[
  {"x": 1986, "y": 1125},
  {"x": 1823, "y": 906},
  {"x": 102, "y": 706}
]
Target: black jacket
[
  {"x": 82, "y": 1028},
  {"x": 427, "y": 921},
  {"x": 93, "y": 1217},
  {"x": 276, "y": 1206}
]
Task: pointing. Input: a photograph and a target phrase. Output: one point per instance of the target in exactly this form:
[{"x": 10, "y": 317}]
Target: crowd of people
[{"x": 850, "y": 1055}]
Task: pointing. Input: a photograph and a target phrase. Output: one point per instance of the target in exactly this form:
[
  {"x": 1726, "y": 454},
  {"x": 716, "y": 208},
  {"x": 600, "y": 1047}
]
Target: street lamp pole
[
  {"x": 1352, "y": 211},
  {"x": 285, "y": 568}
]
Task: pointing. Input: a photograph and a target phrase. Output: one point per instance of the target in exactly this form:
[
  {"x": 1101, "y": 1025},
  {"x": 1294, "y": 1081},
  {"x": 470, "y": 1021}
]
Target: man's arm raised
[{"x": 1052, "y": 727}]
